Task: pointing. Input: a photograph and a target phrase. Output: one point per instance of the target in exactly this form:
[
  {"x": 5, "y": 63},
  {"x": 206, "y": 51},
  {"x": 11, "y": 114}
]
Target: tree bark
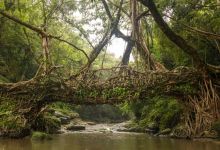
[{"x": 127, "y": 53}]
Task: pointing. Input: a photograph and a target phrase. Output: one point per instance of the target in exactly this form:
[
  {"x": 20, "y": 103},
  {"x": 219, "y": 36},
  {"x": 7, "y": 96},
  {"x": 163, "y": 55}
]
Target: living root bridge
[
  {"x": 110, "y": 86},
  {"x": 106, "y": 86}
]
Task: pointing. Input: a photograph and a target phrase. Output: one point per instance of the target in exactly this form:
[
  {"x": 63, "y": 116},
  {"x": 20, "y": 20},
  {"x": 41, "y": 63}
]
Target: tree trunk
[
  {"x": 46, "y": 57},
  {"x": 138, "y": 37},
  {"x": 127, "y": 53}
]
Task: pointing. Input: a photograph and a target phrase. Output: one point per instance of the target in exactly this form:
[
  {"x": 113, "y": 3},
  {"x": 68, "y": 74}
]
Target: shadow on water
[{"x": 99, "y": 141}]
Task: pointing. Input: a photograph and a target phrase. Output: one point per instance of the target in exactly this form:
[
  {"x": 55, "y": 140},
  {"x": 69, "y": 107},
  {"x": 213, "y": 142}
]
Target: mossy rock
[
  {"x": 62, "y": 107},
  {"x": 40, "y": 136},
  {"x": 11, "y": 124},
  {"x": 16, "y": 133}
]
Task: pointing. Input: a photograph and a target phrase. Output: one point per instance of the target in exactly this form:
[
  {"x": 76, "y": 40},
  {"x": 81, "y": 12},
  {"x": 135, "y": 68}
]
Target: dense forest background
[
  {"x": 40, "y": 36},
  {"x": 83, "y": 24}
]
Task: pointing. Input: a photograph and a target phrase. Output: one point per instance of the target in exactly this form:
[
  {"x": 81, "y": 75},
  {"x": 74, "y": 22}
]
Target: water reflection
[{"x": 97, "y": 141}]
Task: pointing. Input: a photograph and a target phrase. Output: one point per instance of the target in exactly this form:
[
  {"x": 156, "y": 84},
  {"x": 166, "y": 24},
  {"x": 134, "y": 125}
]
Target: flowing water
[{"x": 107, "y": 141}]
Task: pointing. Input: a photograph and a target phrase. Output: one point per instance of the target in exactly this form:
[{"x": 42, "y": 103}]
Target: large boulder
[
  {"x": 65, "y": 118},
  {"x": 16, "y": 133}
]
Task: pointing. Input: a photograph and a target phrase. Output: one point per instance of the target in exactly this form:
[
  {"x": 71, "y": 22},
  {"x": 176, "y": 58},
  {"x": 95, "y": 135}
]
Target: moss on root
[
  {"x": 11, "y": 124},
  {"x": 47, "y": 123}
]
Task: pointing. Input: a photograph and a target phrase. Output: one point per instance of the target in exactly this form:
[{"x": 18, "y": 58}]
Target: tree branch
[
  {"x": 143, "y": 14},
  {"x": 40, "y": 31},
  {"x": 108, "y": 34},
  {"x": 80, "y": 30},
  {"x": 107, "y": 10},
  {"x": 76, "y": 47},
  {"x": 203, "y": 33},
  {"x": 31, "y": 27},
  {"x": 124, "y": 11}
]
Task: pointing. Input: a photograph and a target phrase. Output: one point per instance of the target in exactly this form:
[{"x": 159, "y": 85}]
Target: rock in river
[
  {"x": 75, "y": 127},
  {"x": 152, "y": 128},
  {"x": 65, "y": 120}
]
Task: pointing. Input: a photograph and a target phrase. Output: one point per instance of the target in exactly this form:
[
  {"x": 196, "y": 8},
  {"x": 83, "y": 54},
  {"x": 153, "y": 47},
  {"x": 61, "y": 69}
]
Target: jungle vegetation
[{"x": 40, "y": 37}]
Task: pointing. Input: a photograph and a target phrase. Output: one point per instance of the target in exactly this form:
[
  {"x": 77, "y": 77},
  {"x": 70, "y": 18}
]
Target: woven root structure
[{"x": 112, "y": 86}]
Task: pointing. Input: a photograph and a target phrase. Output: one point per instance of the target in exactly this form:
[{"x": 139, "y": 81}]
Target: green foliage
[
  {"x": 164, "y": 111},
  {"x": 203, "y": 15},
  {"x": 126, "y": 109},
  {"x": 15, "y": 54},
  {"x": 161, "y": 111},
  {"x": 167, "y": 52},
  {"x": 81, "y": 23},
  {"x": 117, "y": 92}
]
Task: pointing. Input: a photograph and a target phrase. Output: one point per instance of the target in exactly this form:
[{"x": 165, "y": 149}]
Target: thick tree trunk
[
  {"x": 145, "y": 55},
  {"x": 127, "y": 53},
  {"x": 138, "y": 37},
  {"x": 179, "y": 41}
]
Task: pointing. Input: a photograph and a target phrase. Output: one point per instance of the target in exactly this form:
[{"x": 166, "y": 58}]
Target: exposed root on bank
[{"x": 202, "y": 110}]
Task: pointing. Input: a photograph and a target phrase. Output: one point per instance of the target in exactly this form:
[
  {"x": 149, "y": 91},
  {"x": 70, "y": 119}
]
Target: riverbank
[
  {"x": 91, "y": 127},
  {"x": 64, "y": 118}
]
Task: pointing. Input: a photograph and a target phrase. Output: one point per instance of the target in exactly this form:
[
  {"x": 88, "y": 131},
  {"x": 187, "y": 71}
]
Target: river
[{"x": 107, "y": 141}]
